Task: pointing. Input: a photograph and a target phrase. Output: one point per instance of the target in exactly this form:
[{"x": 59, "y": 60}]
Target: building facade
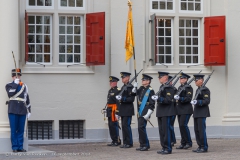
[{"x": 49, "y": 40}]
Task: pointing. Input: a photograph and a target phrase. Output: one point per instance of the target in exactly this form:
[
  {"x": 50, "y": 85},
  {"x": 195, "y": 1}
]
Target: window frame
[
  {"x": 159, "y": 10},
  {"x": 39, "y": 7},
  {"x": 51, "y": 44},
  {"x": 193, "y": 11},
  {"x": 72, "y": 8},
  {"x": 81, "y": 40}
]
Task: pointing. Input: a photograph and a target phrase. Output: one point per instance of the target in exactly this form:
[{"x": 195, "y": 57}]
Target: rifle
[
  {"x": 167, "y": 83},
  {"x": 188, "y": 83},
  {"x": 130, "y": 82},
  {"x": 203, "y": 85}
]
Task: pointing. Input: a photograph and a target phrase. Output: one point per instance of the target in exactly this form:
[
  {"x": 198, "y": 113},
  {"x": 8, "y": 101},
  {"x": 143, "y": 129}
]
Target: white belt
[{"x": 17, "y": 99}]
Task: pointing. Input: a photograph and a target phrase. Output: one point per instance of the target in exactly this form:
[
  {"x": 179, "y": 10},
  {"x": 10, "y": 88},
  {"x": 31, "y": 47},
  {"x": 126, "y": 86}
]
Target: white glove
[
  {"x": 176, "y": 97},
  {"x": 193, "y": 102},
  {"x": 104, "y": 111},
  {"x": 134, "y": 90},
  {"x": 149, "y": 112},
  {"x": 135, "y": 84},
  {"x": 118, "y": 97},
  {"x": 17, "y": 81},
  {"x": 154, "y": 97},
  {"x": 117, "y": 117},
  {"x": 28, "y": 115}
]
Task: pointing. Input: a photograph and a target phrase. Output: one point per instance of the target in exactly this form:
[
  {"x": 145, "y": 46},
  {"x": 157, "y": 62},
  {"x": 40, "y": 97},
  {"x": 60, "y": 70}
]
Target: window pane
[
  {"x": 77, "y": 20},
  {"x": 39, "y": 29},
  {"x": 195, "y": 41},
  {"x": 61, "y": 20},
  {"x": 168, "y": 32},
  {"x": 39, "y": 57},
  {"x": 155, "y": 5},
  {"x": 168, "y": 23},
  {"x": 61, "y": 39},
  {"x": 46, "y": 48},
  {"x": 188, "y": 32},
  {"x": 195, "y": 32},
  {"x": 188, "y": 23},
  {"x": 46, "y": 19},
  {"x": 188, "y": 59},
  {"x": 181, "y": 41},
  {"x": 160, "y": 23},
  {"x": 195, "y": 50},
  {"x": 188, "y": 41},
  {"x": 31, "y": 48},
  {"x": 76, "y": 58},
  {"x": 190, "y": 6},
  {"x": 39, "y": 20},
  {"x": 47, "y": 29},
  {"x": 195, "y": 23},
  {"x": 168, "y": 59},
  {"x": 79, "y": 3},
  {"x": 39, "y": 39},
  {"x": 31, "y": 57},
  {"x": 47, "y": 58},
  {"x": 39, "y": 48},
  {"x": 77, "y": 30},
  {"x": 69, "y": 20},
  {"x": 64, "y": 3},
  {"x": 31, "y": 2},
  {"x": 169, "y": 5},
  {"x": 61, "y": 57},
  {"x": 181, "y": 50},
  {"x": 69, "y": 29},
  {"x": 161, "y": 50},
  {"x": 168, "y": 41},
  {"x": 160, "y": 59},
  {"x": 61, "y": 29},
  {"x": 181, "y": 59},
  {"x": 39, "y": 2},
  {"x": 160, "y": 41},
  {"x": 69, "y": 39},
  {"x": 69, "y": 49},
  {"x": 70, "y": 58},
  {"x": 197, "y": 7},
  {"x": 181, "y": 32},
  {"x": 183, "y": 6},
  {"x": 160, "y": 32},
  {"x": 162, "y": 5},
  {"x": 181, "y": 23},
  {"x": 48, "y": 2},
  {"x": 62, "y": 49},
  {"x": 71, "y": 3},
  {"x": 195, "y": 59},
  {"x": 77, "y": 39},
  {"x": 76, "y": 48},
  {"x": 31, "y": 19},
  {"x": 168, "y": 50},
  {"x": 46, "y": 39},
  {"x": 188, "y": 50},
  {"x": 31, "y": 39}
]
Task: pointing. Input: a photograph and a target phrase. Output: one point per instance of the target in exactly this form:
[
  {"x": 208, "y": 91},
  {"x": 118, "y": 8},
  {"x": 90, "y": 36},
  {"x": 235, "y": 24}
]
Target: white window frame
[
  {"x": 172, "y": 45},
  {"x": 160, "y": 10},
  {"x": 39, "y": 7},
  {"x": 191, "y": 11},
  {"x": 81, "y": 41},
  {"x": 185, "y": 45},
  {"x": 51, "y": 40},
  {"x": 72, "y": 8}
]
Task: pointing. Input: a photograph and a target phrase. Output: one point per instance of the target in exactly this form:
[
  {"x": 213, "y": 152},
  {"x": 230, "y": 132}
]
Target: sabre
[{"x": 150, "y": 123}]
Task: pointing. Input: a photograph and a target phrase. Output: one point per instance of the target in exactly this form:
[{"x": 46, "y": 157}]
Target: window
[
  {"x": 188, "y": 41},
  {"x": 71, "y": 3},
  {"x": 161, "y": 5},
  {"x": 190, "y": 5},
  {"x": 70, "y": 43},
  {"x": 39, "y": 2},
  {"x": 39, "y": 39},
  {"x": 40, "y": 130},
  {"x": 164, "y": 41},
  {"x": 71, "y": 129}
]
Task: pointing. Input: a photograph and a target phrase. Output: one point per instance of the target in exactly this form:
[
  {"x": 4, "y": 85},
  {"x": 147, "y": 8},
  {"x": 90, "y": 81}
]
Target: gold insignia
[
  {"x": 180, "y": 74},
  {"x": 189, "y": 93},
  {"x": 205, "y": 95},
  {"x": 169, "y": 94},
  {"x": 110, "y": 78},
  {"x": 121, "y": 74},
  {"x": 112, "y": 94},
  {"x": 142, "y": 76},
  {"x": 118, "y": 89}
]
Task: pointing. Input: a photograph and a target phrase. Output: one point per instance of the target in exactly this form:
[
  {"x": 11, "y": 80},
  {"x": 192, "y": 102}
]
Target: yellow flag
[{"x": 129, "y": 41}]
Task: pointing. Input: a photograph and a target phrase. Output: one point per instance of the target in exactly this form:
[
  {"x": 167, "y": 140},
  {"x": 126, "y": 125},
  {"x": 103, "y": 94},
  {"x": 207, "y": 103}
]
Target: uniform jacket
[
  {"x": 201, "y": 109},
  {"x": 111, "y": 99},
  {"x": 126, "y": 107},
  {"x": 150, "y": 102},
  {"x": 183, "y": 105},
  {"x": 15, "y": 106},
  {"x": 165, "y": 102}
]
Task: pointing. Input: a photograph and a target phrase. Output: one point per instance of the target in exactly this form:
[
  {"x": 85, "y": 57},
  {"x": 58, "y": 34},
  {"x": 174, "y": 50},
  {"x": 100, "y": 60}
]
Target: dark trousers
[
  {"x": 143, "y": 138},
  {"x": 17, "y": 123},
  {"x": 200, "y": 132},
  {"x": 126, "y": 130},
  {"x": 184, "y": 130},
  {"x": 113, "y": 130},
  {"x": 173, "y": 137},
  {"x": 164, "y": 124}
]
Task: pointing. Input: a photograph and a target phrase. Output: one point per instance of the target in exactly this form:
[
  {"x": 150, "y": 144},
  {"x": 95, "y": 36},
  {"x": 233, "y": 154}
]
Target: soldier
[
  {"x": 145, "y": 108},
  {"x": 18, "y": 108},
  {"x": 173, "y": 137},
  {"x": 112, "y": 111},
  {"x": 165, "y": 112},
  {"x": 201, "y": 111},
  {"x": 126, "y": 110},
  {"x": 184, "y": 111}
]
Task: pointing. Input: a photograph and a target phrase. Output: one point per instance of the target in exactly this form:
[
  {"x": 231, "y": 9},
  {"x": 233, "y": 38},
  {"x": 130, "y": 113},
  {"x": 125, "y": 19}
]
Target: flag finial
[{"x": 129, "y": 3}]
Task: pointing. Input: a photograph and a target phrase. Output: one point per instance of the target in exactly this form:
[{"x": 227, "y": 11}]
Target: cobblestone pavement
[{"x": 218, "y": 149}]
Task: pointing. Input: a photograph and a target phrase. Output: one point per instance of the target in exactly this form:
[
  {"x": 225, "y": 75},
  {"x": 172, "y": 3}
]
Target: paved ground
[{"x": 218, "y": 149}]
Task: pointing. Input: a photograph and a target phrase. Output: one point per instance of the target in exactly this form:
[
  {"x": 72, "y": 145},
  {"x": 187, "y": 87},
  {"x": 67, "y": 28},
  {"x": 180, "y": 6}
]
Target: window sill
[{"x": 57, "y": 69}]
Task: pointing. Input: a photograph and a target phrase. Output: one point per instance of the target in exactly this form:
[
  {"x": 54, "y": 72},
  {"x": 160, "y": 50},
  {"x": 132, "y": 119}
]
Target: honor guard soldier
[
  {"x": 145, "y": 108},
  {"x": 184, "y": 111},
  {"x": 173, "y": 137},
  {"x": 201, "y": 111},
  {"x": 165, "y": 112},
  {"x": 126, "y": 110},
  {"x": 112, "y": 111},
  {"x": 18, "y": 109}
]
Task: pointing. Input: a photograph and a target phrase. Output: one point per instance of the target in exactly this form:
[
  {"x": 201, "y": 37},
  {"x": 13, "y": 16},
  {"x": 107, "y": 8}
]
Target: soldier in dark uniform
[
  {"x": 201, "y": 111},
  {"x": 184, "y": 111},
  {"x": 173, "y": 137},
  {"x": 126, "y": 110},
  {"x": 112, "y": 111},
  {"x": 18, "y": 109},
  {"x": 145, "y": 108},
  {"x": 165, "y": 112}
]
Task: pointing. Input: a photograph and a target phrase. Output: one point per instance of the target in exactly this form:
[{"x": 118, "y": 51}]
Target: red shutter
[
  {"x": 214, "y": 41},
  {"x": 95, "y": 39},
  {"x": 26, "y": 36}
]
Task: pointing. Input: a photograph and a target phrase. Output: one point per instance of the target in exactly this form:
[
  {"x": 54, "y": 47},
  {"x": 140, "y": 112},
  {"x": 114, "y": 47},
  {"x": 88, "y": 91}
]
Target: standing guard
[
  {"x": 112, "y": 111},
  {"x": 201, "y": 111},
  {"x": 184, "y": 111},
  {"x": 165, "y": 112},
  {"x": 18, "y": 108},
  {"x": 173, "y": 137},
  {"x": 145, "y": 108},
  {"x": 126, "y": 110}
]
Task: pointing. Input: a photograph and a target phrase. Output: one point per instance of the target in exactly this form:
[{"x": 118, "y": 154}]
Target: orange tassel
[{"x": 20, "y": 83}]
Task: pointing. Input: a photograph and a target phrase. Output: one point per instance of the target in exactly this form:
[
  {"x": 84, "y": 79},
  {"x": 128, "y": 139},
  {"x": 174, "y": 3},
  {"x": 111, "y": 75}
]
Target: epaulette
[{"x": 118, "y": 89}]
